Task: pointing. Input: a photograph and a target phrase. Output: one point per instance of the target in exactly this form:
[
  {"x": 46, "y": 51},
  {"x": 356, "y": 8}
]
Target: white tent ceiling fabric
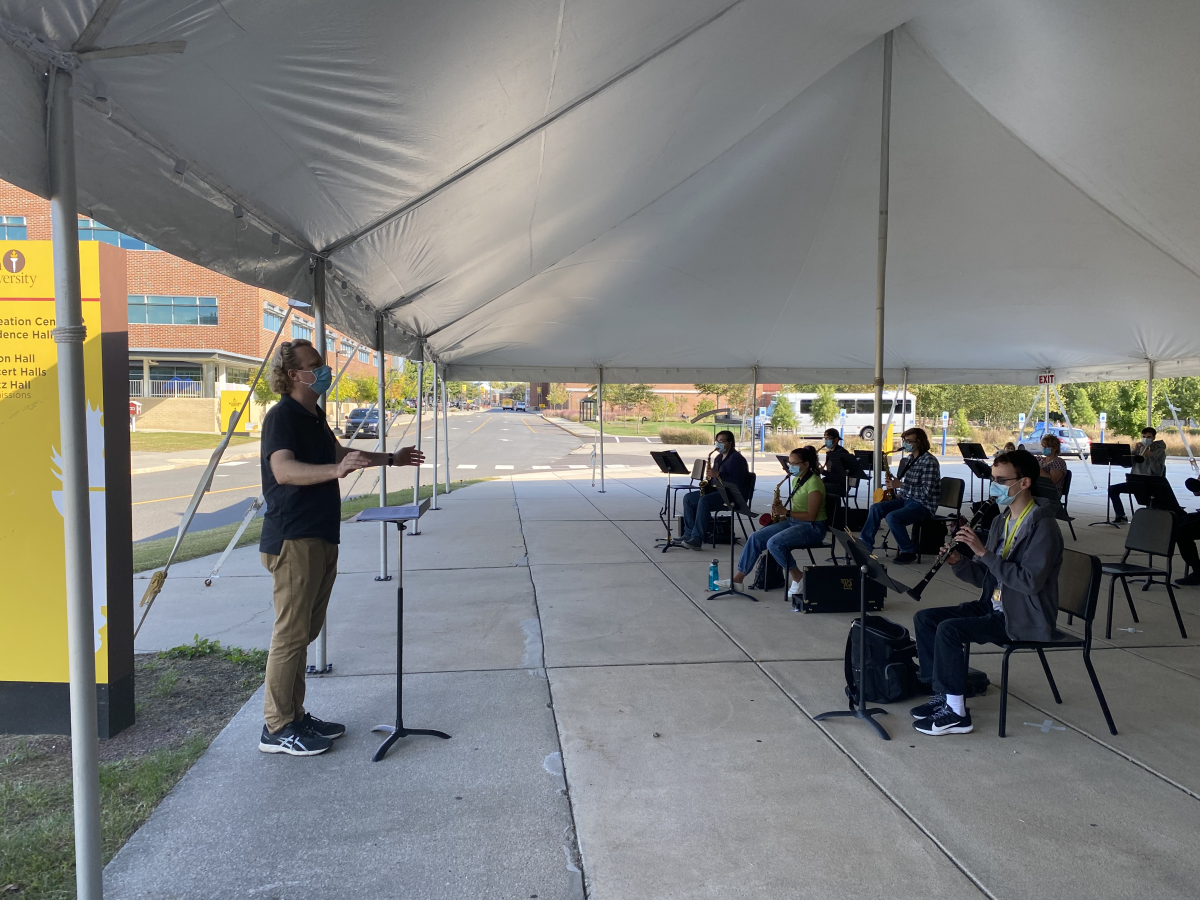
[{"x": 673, "y": 190}]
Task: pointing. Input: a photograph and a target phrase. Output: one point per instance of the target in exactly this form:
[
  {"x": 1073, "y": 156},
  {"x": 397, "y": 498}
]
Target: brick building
[{"x": 192, "y": 332}]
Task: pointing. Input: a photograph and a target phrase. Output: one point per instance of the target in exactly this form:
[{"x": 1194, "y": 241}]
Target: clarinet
[{"x": 957, "y": 547}]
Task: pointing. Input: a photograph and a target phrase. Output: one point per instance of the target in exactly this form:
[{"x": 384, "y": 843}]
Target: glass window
[
  {"x": 301, "y": 331},
  {"x": 153, "y": 309},
  {"x": 237, "y": 376},
  {"x": 135, "y": 371},
  {"x": 272, "y": 320},
  {"x": 868, "y": 406},
  {"x": 364, "y": 355},
  {"x": 91, "y": 230},
  {"x": 12, "y": 228},
  {"x": 805, "y": 407}
]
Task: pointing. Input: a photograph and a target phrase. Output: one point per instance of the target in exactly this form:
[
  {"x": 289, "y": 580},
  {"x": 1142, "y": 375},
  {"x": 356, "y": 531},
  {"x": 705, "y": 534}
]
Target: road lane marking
[
  {"x": 543, "y": 467},
  {"x": 249, "y": 487},
  {"x": 468, "y": 467},
  {"x": 481, "y": 424},
  {"x": 503, "y": 467}
]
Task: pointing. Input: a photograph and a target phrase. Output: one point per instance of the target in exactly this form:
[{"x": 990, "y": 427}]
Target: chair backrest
[
  {"x": 1066, "y": 485},
  {"x": 1151, "y": 531},
  {"x": 751, "y": 480},
  {"x": 1078, "y": 584},
  {"x": 952, "y": 493}
]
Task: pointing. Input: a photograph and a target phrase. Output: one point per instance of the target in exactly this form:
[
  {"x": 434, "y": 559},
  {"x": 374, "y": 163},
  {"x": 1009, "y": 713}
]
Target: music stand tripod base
[
  {"x": 398, "y": 515},
  {"x": 735, "y": 503},
  {"x": 669, "y": 463}
]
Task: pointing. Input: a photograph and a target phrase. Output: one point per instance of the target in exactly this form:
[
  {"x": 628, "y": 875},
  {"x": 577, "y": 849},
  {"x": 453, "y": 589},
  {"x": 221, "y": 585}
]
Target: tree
[
  {"x": 366, "y": 388},
  {"x": 961, "y": 426},
  {"x": 263, "y": 395},
  {"x": 784, "y": 416},
  {"x": 1078, "y": 404},
  {"x": 558, "y": 396},
  {"x": 658, "y": 406},
  {"x": 705, "y": 406},
  {"x": 825, "y": 406},
  {"x": 346, "y": 391},
  {"x": 709, "y": 390}
]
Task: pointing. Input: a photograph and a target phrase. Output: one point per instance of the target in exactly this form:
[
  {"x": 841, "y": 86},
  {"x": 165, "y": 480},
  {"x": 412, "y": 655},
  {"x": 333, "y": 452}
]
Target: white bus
[{"x": 860, "y": 413}]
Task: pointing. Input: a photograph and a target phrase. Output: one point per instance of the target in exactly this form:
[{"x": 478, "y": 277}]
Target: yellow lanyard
[{"x": 1011, "y": 529}]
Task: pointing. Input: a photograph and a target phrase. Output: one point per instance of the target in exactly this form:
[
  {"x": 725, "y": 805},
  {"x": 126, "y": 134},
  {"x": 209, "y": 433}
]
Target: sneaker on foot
[
  {"x": 945, "y": 721},
  {"x": 293, "y": 741},
  {"x": 903, "y": 558},
  {"x": 692, "y": 545},
  {"x": 796, "y": 587},
  {"x": 925, "y": 710},
  {"x": 311, "y": 723},
  {"x": 1119, "y": 520},
  {"x": 1188, "y": 580}
]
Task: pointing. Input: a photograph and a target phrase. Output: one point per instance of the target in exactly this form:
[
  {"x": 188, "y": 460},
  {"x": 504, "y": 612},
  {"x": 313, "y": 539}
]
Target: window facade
[
  {"x": 12, "y": 228},
  {"x": 153, "y": 309},
  {"x": 301, "y": 331},
  {"x": 364, "y": 355},
  {"x": 272, "y": 320},
  {"x": 91, "y": 230},
  {"x": 237, "y": 376}
]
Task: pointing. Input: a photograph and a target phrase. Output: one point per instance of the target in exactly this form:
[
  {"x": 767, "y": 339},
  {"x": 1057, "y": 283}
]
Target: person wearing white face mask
[
  {"x": 1016, "y": 570},
  {"x": 730, "y": 467},
  {"x": 803, "y": 524},
  {"x": 1149, "y": 458}
]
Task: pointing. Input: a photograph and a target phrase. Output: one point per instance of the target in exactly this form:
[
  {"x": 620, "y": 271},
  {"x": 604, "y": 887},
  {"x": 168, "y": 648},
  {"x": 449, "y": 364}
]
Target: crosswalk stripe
[
  {"x": 468, "y": 467},
  {"x": 503, "y": 467}
]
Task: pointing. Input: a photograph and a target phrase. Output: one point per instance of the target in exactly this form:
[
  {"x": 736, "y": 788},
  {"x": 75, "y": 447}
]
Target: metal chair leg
[
  {"x": 1004, "y": 689},
  {"x": 1175, "y": 607},
  {"x": 1049, "y": 675},
  {"x": 1071, "y": 525},
  {"x": 1112, "y": 587},
  {"x": 1129, "y": 598},
  {"x": 1087, "y": 661}
]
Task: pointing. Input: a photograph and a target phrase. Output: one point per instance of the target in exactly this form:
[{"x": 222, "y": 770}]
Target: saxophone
[
  {"x": 705, "y": 484},
  {"x": 770, "y": 518}
]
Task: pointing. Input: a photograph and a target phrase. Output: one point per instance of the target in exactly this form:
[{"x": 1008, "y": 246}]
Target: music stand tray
[
  {"x": 399, "y": 515},
  {"x": 669, "y": 463},
  {"x": 736, "y": 503},
  {"x": 871, "y": 568},
  {"x": 1110, "y": 455},
  {"x": 971, "y": 450}
]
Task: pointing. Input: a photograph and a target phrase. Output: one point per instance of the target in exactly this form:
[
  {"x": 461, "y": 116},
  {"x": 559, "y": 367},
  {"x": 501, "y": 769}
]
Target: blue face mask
[
  {"x": 721, "y": 446},
  {"x": 323, "y": 379},
  {"x": 829, "y": 443},
  {"x": 1000, "y": 494},
  {"x": 793, "y": 469},
  {"x": 1046, "y": 451},
  {"x": 906, "y": 447}
]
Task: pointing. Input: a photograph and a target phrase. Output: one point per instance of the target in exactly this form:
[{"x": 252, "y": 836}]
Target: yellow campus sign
[{"x": 33, "y": 616}]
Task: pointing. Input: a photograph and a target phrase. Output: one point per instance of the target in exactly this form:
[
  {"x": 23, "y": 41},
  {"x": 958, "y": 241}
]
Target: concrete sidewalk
[{"x": 616, "y": 732}]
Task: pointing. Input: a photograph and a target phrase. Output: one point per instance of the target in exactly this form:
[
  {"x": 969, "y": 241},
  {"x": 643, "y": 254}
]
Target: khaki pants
[{"x": 303, "y": 575}]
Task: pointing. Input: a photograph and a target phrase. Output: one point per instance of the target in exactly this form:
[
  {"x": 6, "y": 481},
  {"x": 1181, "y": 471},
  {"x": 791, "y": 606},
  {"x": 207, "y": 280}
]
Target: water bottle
[{"x": 713, "y": 574}]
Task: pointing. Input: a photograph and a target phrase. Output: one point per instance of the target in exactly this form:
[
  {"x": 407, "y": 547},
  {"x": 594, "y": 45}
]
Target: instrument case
[{"x": 836, "y": 589}]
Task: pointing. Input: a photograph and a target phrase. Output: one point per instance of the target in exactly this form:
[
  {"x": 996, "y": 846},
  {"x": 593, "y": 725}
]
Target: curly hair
[
  {"x": 1052, "y": 441},
  {"x": 285, "y": 360}
]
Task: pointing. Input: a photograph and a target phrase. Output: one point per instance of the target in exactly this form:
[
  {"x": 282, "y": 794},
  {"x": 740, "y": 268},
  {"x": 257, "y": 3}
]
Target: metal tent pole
[
  {"x": 434, "y": 505},
  {"x": 885, "y": 138},
  {"x": 600, "y": 406},
  {"x": 320, "y": 343},
  {"x": 754, "y": 419},
  {"x": 72, "y": 399},
  {"x": 382, "y": 429},
  {"x": 446, "y": 431},
  {"x": 1150, "y": 395},
  {"x": 416, "y": 525}
]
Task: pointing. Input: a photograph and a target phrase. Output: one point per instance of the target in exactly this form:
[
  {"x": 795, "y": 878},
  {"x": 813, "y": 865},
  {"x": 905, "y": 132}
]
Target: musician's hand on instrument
[
  {"x": 953, "y": 558},
  {"x": 778, "y": 509},
  {"x": 710, "y": 473},
  {"x": 891, "y": 481},
  {"x": 968, "y": 536}
]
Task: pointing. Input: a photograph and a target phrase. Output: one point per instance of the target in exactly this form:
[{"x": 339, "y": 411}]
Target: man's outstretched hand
[
  {"x": 352, "y": 462},
  {"x": 409, "y": 456}
]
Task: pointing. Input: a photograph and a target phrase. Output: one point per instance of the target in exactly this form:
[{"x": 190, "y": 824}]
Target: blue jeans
[
  {"x": 697, "y": 515},
  {"x": 898, "y": 513},
  {"x": 780, "y": 540}
]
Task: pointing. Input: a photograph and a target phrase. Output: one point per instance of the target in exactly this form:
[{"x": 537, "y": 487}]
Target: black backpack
[
  {"x": 891, "y": 670},
  {"x": 768, "y": 574}
]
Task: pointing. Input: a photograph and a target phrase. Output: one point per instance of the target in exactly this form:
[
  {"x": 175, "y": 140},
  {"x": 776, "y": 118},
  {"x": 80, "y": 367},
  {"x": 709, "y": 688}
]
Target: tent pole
[
  {"x": 600, "y": 404},
  {"x": 416, "y": 525},
  {"x": 446, "y": 430},
  {"x": 321, "y": 663},
  {"x": 754, "y": 419},
  {"x": 1150, "y": 395},
  {"x": 434, "y": 505},
  {"x": 81, "y": 630},
  {"x": 885, "y": 138},
  {"x": 382, "y": 429}
]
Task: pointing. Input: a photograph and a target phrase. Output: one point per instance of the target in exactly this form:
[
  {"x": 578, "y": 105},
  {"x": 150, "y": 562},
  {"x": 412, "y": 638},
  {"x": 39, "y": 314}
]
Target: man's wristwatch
[{"x": 391, "y": 458}]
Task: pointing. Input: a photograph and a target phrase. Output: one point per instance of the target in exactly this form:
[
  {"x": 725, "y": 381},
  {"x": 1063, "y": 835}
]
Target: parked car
[
  {"x": 362, "y": 423},
  {"x": 1075, "y": 441},
  {"x": 521, "y": 407}
]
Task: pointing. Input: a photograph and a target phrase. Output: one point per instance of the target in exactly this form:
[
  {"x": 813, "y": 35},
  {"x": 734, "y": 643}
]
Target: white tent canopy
[{"x": 673, "y": 190}]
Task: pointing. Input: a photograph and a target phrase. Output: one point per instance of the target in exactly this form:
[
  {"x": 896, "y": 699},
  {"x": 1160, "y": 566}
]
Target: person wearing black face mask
[
  {"x": 301, "y": 464},
  {"x": 730, "y": 466},
  {"x": 1016, "y": 570}
]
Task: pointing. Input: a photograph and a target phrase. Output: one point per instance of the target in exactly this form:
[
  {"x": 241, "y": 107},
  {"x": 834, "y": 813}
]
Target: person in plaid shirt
[{"x": 917, "y": 496}]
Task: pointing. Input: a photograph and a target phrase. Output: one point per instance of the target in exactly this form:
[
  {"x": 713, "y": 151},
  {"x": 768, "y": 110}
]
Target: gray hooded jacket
[{"x": 1028, "y": 578}]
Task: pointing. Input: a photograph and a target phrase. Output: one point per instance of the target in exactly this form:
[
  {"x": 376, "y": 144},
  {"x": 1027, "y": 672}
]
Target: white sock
[
  {"x": 956, "y": 703},
  {"x": 794, "y": 588}
]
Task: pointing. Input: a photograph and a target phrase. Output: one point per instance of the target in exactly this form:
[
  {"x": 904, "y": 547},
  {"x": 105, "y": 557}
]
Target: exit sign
[{"x": 1046, "y": 379}]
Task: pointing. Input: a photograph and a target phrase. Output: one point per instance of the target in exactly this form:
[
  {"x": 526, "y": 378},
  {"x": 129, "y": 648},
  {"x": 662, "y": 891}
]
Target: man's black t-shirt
[{"x": 298, "y": 511}]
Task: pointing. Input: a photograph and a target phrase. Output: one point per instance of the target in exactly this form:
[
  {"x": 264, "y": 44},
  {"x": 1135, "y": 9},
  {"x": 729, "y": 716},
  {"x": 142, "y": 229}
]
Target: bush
[{"x": 671, "y": 435}]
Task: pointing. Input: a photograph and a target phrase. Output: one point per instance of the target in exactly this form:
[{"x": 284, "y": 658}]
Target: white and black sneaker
[
  {"x": 293, "y": 740},
  {"x": 925, "y": 710},
  {"x": 945, "y": 721},
  {"x": 309, "y": 722}
]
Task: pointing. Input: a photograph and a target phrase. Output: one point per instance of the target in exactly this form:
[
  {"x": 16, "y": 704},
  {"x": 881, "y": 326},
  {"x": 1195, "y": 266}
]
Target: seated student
[
  {"x": 730, "y": 466},
  {"x": 1149, "y": 458},
  {"x": 1052, "y": 464},
  {"x": 917, "y": 494},
  {"x": 804, "y": 525},
  {"x": 1017, "y": 570},
  {"x": 1187, "y": 529},
  {"x": 839, "y": 464}
]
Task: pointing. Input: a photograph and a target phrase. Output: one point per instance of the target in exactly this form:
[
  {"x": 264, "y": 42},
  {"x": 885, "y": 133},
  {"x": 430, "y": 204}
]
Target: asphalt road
[{"x": 490, "y": 442}]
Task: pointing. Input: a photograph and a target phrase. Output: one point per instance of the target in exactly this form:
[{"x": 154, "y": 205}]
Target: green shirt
[{"x": 800, "y": 497}]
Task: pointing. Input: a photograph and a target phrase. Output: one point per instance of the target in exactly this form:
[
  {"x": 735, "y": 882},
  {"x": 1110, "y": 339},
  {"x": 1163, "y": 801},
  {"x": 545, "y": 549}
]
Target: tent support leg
[
  {"x": 885, "y": 131},
  {"x": 81, "y": 631},
  {"x": 416, "y": 525},
  {"x": 446, "y": 431},
  {"x": 320, "y": 343},
  {"x": 600, "y": 405},
  {"x": 1150, "y": 394},
  {"x": 382, "y": 428},
  {"x": 434, "y": 505}
]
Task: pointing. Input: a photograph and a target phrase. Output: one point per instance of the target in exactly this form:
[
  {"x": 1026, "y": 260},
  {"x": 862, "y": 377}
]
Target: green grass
[
  {"x": 37, "y": 839},
  {"x": 153, "y": 554},
  {"x": 253, "y": 659},
  {"x": 174, "y": 441}
]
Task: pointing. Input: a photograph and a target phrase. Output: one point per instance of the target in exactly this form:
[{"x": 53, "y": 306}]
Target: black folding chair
[
  {"x": 951, "y": 497},
  {"x": 1152, "y": 532},
  {"x": 1045, "y": 489},
  {"x": 751, "y": 481},
  {"x": 1078, "y": 589}
]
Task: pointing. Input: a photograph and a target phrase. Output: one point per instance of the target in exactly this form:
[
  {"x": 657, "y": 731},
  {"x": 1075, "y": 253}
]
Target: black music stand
[
  {"x": 870, "y": 567},
  {"x": 399, "y": 515},
  {"x": 669, "y": 463},
  {"x": 981, "y": 469},
  {"x": 735, "y": 503},
  {"x": 1109, "y": 455},
  {"x": 969, "y": 450}
]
